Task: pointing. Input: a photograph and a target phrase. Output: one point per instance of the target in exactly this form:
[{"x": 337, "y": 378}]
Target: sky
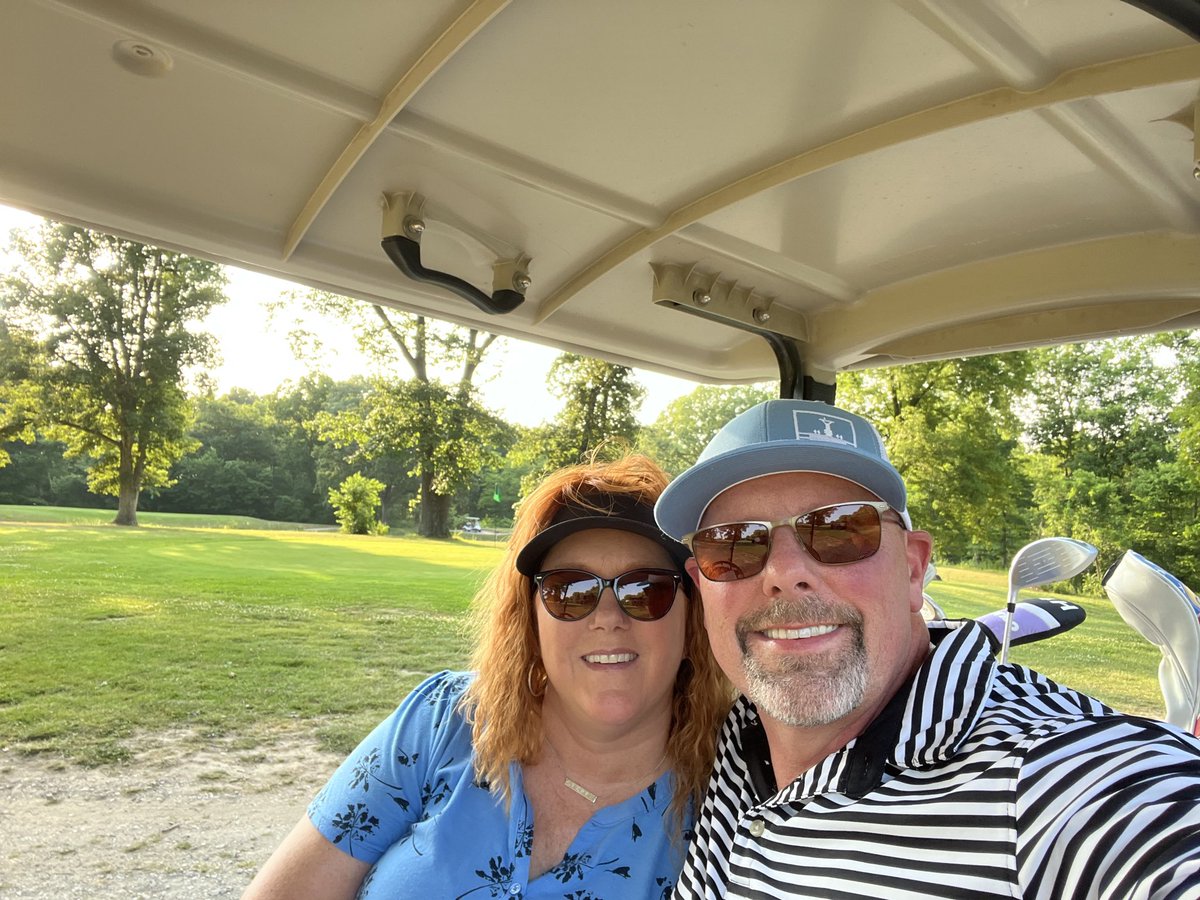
[{"x": 256, "y": 355}]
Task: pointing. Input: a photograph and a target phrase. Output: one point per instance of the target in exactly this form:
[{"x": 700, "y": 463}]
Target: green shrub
[{"x": 355, "y": 505}]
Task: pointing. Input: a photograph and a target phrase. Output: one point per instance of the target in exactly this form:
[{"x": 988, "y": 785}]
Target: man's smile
[{"x": 791, "y": 634}]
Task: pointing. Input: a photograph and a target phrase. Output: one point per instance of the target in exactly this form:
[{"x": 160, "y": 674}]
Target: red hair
[{"x": 506, "y": 719}]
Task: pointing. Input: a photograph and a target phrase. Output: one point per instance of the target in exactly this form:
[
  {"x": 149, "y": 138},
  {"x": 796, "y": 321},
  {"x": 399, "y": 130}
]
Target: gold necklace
[{"x": 591, "y": 796}]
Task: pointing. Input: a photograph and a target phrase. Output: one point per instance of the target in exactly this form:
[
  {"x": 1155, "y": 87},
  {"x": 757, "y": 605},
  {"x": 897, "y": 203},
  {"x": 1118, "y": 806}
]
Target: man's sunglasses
[
  {"x": 642, "y": 594},
  {"x": 834, "y": 535}
]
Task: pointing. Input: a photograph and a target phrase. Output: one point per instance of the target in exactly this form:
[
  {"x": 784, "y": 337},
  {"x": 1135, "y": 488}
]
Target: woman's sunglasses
[
  {"x": 834, "y": 535},
  {"x": 642, "y": 594}
]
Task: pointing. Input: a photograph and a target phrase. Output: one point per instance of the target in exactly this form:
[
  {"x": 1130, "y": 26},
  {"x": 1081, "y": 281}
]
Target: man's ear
[
  {"x": 918, "y": 553},
  {"x": 693, "y": 570}
]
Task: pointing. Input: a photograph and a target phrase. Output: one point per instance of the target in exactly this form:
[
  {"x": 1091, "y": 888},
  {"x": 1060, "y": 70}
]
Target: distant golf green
[{"x": 228, "y": 630}]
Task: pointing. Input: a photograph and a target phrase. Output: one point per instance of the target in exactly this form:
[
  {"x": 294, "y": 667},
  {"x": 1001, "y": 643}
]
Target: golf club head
[
  {"x": 930, "y": 574},
  {"x": 1042, "y": 562},
  {"x": 1049, "y": 559},
  {"x": 930, "y": 611}
]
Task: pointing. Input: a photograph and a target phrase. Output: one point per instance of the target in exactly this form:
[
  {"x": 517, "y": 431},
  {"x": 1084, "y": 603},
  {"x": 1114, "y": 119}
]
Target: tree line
[{"x": 1097, "y": 441}]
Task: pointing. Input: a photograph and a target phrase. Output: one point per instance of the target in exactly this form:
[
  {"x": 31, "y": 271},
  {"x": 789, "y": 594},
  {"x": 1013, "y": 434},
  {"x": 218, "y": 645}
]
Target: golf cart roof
[{"x": 861, "y": 183}]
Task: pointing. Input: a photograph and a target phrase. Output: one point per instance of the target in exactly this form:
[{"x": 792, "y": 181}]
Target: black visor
[{"x": 624, "y": 512}]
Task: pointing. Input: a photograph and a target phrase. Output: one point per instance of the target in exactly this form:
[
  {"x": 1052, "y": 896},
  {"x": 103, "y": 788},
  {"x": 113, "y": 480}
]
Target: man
[{"x": 872, "y": 755}]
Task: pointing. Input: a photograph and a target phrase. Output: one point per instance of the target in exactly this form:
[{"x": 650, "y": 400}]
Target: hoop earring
[{"x": 543, "y": 680}]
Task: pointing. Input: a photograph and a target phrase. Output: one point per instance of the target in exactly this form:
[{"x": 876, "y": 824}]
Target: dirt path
[{"x": 184, "y": 819}]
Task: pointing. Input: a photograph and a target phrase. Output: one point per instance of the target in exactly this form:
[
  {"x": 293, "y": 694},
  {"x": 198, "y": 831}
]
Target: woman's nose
[{"x": 608, "y": 612}]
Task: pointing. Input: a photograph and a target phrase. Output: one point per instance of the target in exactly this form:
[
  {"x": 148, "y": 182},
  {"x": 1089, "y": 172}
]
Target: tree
[
  {"x": 1109, "y": 424},
  {"x": 492, "y": 492},
  {"x": 102, "y": 326},
  {"x": 951, "y": 430},
  {"x": 1164, "y": 524},
  {"x": 1103, "y": 406},
  {"x": 261, "y": 456},
  {"x": 447, "y": 437},
  {"x": 18, "y": 366},
  {"x": 1185, "y": 346},
  {"x": 685, "y": 427},
  {"x": 355, "y": 502},
  {"x": 434, "y": 419},
  {"x": 39, "y": 475},
  {"x": 601, "y": 404},
  {"x": 233, "y": 470},
  {"x": 599, "y": 415},
  {"x": 308, "y": 464},
  {"x": 305, "y": 465}
]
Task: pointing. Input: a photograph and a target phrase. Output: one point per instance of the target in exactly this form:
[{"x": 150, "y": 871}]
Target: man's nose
[{"x": 789, "y": 564}]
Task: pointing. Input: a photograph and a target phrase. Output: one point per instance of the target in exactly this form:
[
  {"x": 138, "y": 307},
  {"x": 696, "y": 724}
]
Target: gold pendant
[{"x": 580, "y": 790}]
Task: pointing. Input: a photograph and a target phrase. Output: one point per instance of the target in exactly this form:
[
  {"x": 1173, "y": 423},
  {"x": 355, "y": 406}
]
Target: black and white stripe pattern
[{"x": 996, "y": 782}]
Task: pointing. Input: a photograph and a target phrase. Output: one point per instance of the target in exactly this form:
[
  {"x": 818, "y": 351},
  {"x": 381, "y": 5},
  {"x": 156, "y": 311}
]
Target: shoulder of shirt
[
  {"x": 1027, "y": 705},
  {"x": 1052, "y": 712},
  {"x": 443, "y": 687}
]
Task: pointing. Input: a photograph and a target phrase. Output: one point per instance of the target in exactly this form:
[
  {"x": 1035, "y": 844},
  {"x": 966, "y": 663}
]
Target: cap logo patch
[{"x": 814, "y": 426}]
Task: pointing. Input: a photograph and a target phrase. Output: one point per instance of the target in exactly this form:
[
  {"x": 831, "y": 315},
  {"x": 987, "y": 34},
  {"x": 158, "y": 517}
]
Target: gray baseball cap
[{"x": 781, "y": 436}]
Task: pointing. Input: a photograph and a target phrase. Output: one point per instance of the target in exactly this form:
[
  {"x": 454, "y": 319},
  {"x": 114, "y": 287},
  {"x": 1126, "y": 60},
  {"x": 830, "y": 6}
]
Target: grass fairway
[
  {"x": 63, "y": 515},
  {"x": 105, "y": 631}
]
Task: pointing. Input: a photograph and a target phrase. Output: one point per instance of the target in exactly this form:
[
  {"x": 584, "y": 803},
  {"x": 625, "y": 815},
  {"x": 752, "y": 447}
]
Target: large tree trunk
[
  {"x": 384, "y": 499},
  {"x": 128, "y": 489},
  {"x": 127, "y": 502},
  {"x": 435, "y": 511}
]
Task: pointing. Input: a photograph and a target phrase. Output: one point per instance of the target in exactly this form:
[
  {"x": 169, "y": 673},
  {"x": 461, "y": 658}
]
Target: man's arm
[{"x": 1111, "y": 809}]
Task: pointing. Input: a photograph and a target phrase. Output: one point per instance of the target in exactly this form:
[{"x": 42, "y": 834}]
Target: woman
[{"x": 569, "y": 763}]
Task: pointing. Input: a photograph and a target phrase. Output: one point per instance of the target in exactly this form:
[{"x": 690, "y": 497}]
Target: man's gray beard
[{"x": 806, "y": 690}]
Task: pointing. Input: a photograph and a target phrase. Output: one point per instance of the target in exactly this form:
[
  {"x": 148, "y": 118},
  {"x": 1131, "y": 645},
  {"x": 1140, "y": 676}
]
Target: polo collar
[{"x": 924, "y": 724}]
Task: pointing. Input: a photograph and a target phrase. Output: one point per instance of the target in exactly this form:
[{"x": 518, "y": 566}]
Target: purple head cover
[{"x": 1035, "y": 620}]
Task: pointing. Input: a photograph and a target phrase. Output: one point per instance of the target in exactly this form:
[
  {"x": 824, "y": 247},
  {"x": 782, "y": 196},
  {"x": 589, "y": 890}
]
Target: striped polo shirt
[{"x": 978, "y": 780}]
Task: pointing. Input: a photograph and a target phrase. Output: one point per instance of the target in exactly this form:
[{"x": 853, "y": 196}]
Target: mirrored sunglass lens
[
  {"x": 570, "y": 595},
  {"x": 731, "y": 552},
  {"x": 841, "y": 534},
  {"x": 646, "y": 595}
]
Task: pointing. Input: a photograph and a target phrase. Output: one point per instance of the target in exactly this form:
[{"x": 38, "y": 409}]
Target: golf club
[{"x": 1041, "y": 562}]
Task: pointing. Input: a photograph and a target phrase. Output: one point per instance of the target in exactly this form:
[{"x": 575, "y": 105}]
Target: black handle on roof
[{"x": 405, "y": 253}]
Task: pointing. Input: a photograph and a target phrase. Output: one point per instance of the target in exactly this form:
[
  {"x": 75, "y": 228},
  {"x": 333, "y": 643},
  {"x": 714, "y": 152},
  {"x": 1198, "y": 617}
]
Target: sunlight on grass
[
  {"x": 119, "y": 608},
  {"x": 106, "y": 632},
  {"x": 50, "y": 515}
]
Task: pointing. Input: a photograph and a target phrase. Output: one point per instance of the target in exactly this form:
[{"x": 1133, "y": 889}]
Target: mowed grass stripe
[
  {"x": 106, "y": 631},
  {"x": 69, "y": 515}
]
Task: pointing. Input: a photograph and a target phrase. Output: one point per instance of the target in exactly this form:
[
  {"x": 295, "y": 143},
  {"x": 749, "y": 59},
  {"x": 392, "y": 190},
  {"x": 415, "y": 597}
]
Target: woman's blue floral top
[{"x": 407, "y": 801}]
